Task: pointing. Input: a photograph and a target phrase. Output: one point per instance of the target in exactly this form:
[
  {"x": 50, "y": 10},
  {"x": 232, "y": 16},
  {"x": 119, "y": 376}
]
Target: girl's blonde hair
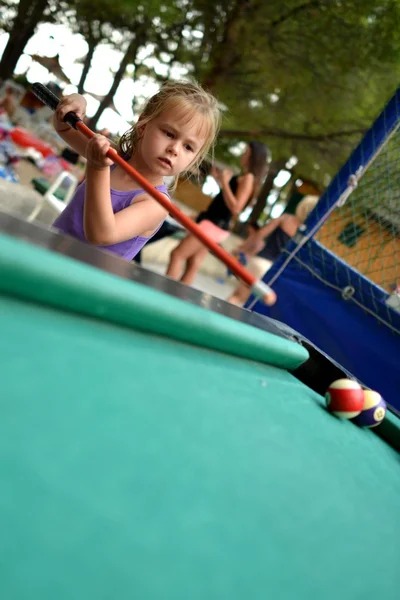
[{"x": 191, "y": 99}]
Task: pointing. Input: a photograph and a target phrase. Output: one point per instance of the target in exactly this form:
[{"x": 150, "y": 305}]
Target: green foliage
[{"x": 307, "y": 77}]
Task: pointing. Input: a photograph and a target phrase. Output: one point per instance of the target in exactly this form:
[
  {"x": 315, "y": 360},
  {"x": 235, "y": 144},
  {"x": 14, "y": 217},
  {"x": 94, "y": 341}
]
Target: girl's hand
[
  {"x": 72, "y": 103},
  {"x": 96, "y": 151}
]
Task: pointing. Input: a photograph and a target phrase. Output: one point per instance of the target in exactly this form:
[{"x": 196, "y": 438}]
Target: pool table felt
[{"x": 134, "y": 465}]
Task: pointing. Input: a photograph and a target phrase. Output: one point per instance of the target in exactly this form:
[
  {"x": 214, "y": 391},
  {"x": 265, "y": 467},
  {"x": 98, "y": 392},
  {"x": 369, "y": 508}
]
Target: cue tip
[{"x": 264, "y": 292}]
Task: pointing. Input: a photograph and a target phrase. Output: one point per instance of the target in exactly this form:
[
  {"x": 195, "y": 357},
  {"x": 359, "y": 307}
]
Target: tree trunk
[
  {"x": 177, "y": 35},
  {"x": 86, "y": 65},
  {"x": 129, "y": 56},
  {"x": 28, "y": 16},
  {"x": 265, "y": 190}
]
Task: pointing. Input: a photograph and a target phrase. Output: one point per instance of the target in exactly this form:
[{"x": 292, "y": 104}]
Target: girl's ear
[{"x": 140, "y": 129}]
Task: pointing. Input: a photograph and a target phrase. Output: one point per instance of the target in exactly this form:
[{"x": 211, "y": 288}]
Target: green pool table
[{"x": 156, "y": 450}]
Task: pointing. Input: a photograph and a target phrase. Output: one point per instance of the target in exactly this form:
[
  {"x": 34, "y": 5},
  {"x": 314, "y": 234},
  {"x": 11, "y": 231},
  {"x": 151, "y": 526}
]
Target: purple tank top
[{"x": 70, "y": 221}]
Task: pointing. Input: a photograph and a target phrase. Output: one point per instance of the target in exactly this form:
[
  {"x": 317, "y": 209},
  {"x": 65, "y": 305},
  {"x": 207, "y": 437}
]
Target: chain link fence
[{"x": 365, "y": 232}]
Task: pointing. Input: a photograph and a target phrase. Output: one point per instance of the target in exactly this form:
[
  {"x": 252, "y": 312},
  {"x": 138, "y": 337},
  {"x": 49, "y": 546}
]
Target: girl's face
[
  {"x": 245, "y": 158},
  {"x": 169, "y": 143}
]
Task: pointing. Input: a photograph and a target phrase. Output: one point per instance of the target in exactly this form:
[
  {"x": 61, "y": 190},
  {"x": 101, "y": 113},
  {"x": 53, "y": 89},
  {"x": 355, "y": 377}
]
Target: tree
[
  {"x": 135, "y": 26},
  {"x": 20, "y": 21},
  {"x": 305, "y": 76},
  {"x": 129, "y": 57},
  {"x": 142, "y": 27},
  {"x": 92, "y": 21},
  {"x": 259, "y": 206},
  {"x": 308, "y": 77}
]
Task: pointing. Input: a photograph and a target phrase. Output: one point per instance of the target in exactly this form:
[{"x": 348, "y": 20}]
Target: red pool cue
[{"x": 258, "y": 287}]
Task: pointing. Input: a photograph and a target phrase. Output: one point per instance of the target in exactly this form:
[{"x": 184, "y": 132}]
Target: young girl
[
  {"x": 173, "y": 134},
  {"x": 236, "y": 192}
]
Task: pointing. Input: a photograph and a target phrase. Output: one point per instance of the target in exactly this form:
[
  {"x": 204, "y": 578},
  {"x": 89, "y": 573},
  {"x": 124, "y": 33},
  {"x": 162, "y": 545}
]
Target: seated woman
[
  {"x": 263, "y": 245},
  {"x": 236, "y": 192}
]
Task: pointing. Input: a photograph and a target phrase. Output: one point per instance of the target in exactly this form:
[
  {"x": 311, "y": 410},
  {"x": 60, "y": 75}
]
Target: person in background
[
  {"x": 236, "y": 192},
  {"x": 8, "y": 103},
  {"x": 263, "y": 245}
]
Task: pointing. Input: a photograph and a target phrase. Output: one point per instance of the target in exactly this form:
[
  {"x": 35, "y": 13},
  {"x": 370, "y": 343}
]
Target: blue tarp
[
  {"x": 308, "y": 298},
  {"x": 356, "y": 339}
]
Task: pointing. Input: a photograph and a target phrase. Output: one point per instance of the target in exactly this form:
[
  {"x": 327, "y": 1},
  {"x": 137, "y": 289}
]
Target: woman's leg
[
  {"x": 193, "y": 265},
  {"x": 258, "y": 267},
  {"x": 184, "y": 250},
  {"x": 194, "y": 261}
]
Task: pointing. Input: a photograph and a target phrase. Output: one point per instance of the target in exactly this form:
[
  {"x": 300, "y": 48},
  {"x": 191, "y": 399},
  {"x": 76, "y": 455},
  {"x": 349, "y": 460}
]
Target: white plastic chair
[{"x": 50, "y": 198}]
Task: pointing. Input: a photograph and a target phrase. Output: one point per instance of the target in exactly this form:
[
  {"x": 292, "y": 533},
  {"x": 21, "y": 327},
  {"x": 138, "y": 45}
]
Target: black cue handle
[{"x": 51, "y": 100}]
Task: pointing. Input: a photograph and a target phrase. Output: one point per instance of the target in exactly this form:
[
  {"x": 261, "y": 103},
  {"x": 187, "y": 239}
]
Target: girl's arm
[
  {"x": 237, "y": 202},
  {"x": 75, "y": 139},
  {"x": 101, "y": 225},
  {"x": 141, "y": 218}
]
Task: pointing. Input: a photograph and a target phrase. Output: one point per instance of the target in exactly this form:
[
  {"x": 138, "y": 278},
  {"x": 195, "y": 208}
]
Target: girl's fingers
[
  {"x": 101, "y": 143},
  {"x": 73, "y": 103},
  {"x": 97, "y": 150}
]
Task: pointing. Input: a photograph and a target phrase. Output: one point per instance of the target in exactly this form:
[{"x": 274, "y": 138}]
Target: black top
[
  {"x": 274, "y": 244},
  {"x": 217, "y": 211}
]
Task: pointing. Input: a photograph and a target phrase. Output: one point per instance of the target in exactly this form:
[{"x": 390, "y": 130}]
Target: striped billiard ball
[
  {"x": 373, "y": 412},
  {"x": 345, "y": 398}
]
